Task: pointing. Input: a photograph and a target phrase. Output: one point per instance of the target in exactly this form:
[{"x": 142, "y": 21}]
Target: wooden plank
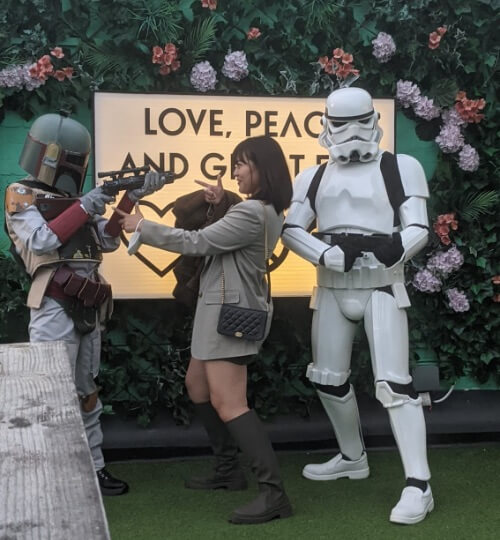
[{"x": 48, "y": 487}]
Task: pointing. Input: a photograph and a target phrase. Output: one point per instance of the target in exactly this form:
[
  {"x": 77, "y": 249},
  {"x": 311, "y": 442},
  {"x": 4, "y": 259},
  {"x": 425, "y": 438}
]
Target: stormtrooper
[
  {"x": 369, "y": 208},
  {"x": 59, "y": 236}
]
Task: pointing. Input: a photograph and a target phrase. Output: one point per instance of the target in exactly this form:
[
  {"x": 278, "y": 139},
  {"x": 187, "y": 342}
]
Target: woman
[{"x": 216, "y": 378}]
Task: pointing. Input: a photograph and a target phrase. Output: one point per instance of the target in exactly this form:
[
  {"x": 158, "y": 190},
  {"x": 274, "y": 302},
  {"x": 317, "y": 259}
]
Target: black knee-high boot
[
  {"x": 272, "y": 501},
  {"x": 227, "y": 472}
]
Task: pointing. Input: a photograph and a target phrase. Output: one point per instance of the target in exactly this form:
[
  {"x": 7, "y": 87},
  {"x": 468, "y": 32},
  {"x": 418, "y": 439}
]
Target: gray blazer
[{"x": 235, "y": 243}]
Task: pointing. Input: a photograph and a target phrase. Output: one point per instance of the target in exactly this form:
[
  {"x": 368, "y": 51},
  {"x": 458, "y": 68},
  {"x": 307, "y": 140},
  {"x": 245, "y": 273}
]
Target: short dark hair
[{"x": 267, "y": 156}]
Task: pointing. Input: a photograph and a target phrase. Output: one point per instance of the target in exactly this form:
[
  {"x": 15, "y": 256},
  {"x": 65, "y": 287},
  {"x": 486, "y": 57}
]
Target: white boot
[
  {"x": 408, "y": 426},
  {"x": 338, "y": 467},
  {"x": 344, "y": 416},
  {"x": 413, "y": 506}
]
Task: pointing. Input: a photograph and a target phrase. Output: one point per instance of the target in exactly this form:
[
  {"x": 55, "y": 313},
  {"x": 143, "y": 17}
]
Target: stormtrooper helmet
[
  {"x": 350, "y": 126},
  {"x": 56, "y": 152}
]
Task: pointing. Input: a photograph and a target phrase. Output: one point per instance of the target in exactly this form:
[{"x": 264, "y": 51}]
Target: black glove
[
  {"x": 330, "y": 257},
  {"x": 391, "y": 252},
  {"x": 351, "y": 253}
]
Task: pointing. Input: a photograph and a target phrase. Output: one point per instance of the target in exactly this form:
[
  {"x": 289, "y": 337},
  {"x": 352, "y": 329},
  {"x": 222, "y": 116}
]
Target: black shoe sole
[
  {"x": 281, "y": 513},
  {"x": 110, "y": 492}
]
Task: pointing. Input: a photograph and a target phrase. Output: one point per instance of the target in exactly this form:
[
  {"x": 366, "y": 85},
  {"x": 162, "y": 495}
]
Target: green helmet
[{"x": 56, "y": 152}]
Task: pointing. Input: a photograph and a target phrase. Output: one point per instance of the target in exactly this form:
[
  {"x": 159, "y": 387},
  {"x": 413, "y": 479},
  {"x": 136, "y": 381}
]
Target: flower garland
[{"x": 441, "y": 264}]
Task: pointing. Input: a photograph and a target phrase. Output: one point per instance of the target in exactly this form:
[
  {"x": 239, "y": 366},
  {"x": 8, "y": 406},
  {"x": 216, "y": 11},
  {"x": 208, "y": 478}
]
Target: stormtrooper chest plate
[{"x": 354, "y": 197}]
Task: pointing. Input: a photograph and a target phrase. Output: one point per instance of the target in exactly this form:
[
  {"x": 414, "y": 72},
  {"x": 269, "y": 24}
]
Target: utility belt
[
  {"x": 68, "y": 285},
  {"x": 364, "y": 242}
]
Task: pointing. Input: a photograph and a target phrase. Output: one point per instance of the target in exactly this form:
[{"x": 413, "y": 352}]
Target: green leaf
[
  {"x": 481, "y": 262},
  {"x": 487, "y": 357},
  {"x": 444, "y": 91},
  {"x": 428, "y": 131},
  {"x": 65, "y": 5},
  {"x": 200, "y": 40},
  {"x": 490, "y": 60},
  {"x": 185, "y": 8},
  {"x": 477, "y": 204}
]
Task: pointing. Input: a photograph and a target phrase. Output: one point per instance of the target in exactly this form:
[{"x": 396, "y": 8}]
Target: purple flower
[
  {"x": 426, "y": 281},
  {"x": 445, "y": 262},
  {"x": 468, "y": 158},
  {"x": 425, "y": 108},
  {"x": 451, "y": 116},
  {"x": 18, "y": 77},
  {"x": 235, "y": 66},
  {"x": 407, "y": 93},
  {"x": 457, "y": 300},
  {"x": 203, "y": 76},
  {"x": 450, "y": 138},
  {"x": 383, "y": 47}
]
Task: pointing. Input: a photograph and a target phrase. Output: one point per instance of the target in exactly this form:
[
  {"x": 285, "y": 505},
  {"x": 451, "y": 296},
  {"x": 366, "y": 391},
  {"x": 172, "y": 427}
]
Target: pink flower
[
  {"x": 434, "y": 39},
  {"x": 59, "y": 75},
  {"x": 57, "y": 52},
  {"x": 442, "y": 226},
  {"x": 347, "y": 58},
  {"x": 157, "y": 55},
  {"x": 167, "y": 58},
  {"x": 468, "y": 108},
  {"x": 323, "y": 61},
  {"x": 42, "y": 69},
  {"x": 210, "y": 4},
  {"x": 45, "y": 61},
  {"x": 253, "y": 33},
  {"x": 339, "y": 65},
  {"x": 68, "y": 71}
]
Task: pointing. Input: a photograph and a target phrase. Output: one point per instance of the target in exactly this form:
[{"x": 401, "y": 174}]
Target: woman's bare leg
[
  {"x": 196, "y": 381},
  {"x": 227, "y": 383}
]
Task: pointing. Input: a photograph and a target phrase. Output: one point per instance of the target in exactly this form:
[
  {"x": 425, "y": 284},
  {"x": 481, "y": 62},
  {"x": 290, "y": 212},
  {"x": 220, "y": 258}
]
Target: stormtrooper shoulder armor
[
  {"x": 412, "y": 177},
  {"x": 302, "y": 182}
]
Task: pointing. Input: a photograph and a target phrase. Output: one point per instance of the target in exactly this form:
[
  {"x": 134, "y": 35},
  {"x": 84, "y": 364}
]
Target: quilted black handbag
[
  {"x": 240, "y": 322},
  {"x": 244, "y": 323}
]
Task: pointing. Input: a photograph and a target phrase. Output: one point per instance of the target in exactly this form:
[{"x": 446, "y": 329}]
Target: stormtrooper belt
[
  {"x": 333, "y": 238},
  {"x": 67, "y": 284},
  {"x": 363, "y": 242}
]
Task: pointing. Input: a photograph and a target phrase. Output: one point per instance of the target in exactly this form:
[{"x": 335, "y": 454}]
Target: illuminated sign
[{"x": 194, "y": 136}]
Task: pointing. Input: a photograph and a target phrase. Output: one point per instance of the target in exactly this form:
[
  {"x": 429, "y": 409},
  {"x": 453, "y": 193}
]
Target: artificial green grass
[{"x": 465, "y": 484}]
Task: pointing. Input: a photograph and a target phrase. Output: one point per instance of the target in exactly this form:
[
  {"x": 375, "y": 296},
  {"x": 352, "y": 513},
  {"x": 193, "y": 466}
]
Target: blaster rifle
[{"x": 120, "y": 181}]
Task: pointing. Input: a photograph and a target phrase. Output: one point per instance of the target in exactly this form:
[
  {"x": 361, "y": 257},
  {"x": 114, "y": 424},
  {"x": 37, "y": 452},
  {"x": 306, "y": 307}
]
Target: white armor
[{"x": 352, "y": 205}]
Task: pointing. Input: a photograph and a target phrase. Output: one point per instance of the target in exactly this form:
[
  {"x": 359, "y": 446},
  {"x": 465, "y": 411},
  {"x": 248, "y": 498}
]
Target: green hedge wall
[{"x": 434, "y": 56}]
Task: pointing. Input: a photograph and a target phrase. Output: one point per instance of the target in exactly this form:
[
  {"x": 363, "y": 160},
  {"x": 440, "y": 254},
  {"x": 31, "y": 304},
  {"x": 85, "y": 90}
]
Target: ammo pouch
[{"x": 79, "y": 296}]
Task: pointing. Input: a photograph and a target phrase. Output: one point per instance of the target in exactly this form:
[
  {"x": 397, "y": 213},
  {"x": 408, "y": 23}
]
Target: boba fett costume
[{"x": 60, "y": 237}]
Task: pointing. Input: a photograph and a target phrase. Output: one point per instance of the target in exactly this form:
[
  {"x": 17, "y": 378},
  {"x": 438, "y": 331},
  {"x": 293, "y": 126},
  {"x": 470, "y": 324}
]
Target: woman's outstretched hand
[
  {"x": 130, "y": 222},
  {"x": 213, "y": 194}
]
